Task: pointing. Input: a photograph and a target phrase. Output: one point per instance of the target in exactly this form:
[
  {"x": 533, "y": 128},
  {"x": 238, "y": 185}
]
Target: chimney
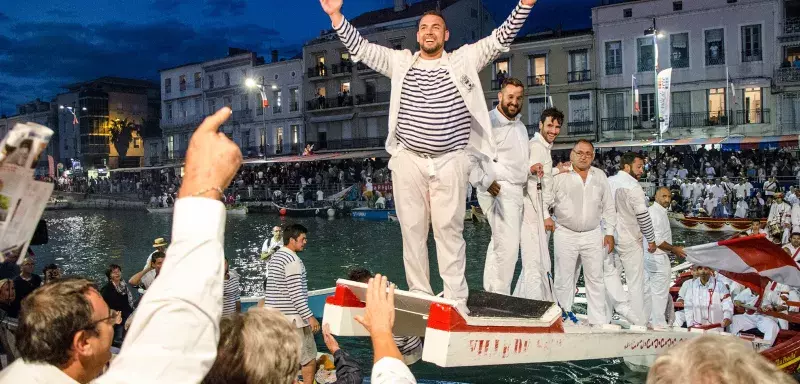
[
  {"x": 399, "y": 5},
  {"x": 274, "y": 55}
]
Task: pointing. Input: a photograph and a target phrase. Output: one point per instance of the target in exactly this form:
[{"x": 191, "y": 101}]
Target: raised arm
[
  {"x": 487, "y": 49},
  {"x": 375, "y": 56}
]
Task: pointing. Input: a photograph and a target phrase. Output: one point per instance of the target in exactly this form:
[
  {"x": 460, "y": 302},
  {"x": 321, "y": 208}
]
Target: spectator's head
[
  {"x": 703, "y": 273},
  {"x": 157, "y": 261},
  {"x": 663, "y": 197},
  {"x": 160, "y": 244},
  {"x": 510, "y": 97},
  {"x": 114, "y": 273},
  {"x": 432, "y": 33},
  {"x": 632, "y": 163},
  {"x": 259, "y": 346},
  {"x": 67, "y": 324},
  {"x": 582, "y": 155},
  {"x": 361, "y": 275},
  {"x": 714, "y": 359},
  {"x": 51, "y": 273},
  {"x": 550, "y": 122},
  {"x": 28, "y": 263},
  {"x": 7, "y": 293},
  {"x": 795, "y": 239},
  {"x": 779, "y": 197},
  {"x": 295, "y": 237}
]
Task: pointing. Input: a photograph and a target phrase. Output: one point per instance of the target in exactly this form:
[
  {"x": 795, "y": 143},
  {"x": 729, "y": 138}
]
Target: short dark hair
[
  {"x": 50, "y": 317},
  {"x": 433, "y": 12},
  {"x": 511, "y": 81},
  {"x": 362, "y": 275},
  {"x": 583, "y": 141},
  {"x": 157, "y": 255},
  {"x": 628, "y": 158},
  {"x": 112, "y": 268},
  {"x": 49, "y": 267},
  {"x": 293, "y": 232},
  {"x": 552, "y": 113}
]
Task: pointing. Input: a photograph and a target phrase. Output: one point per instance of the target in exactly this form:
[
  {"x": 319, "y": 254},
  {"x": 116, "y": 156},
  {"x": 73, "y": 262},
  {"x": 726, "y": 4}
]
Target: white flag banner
[{"x": 664, "y": 79}]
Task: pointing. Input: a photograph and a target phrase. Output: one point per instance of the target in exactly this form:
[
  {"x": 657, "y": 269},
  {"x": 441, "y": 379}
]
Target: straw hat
[{"x": 159, "y": 242}]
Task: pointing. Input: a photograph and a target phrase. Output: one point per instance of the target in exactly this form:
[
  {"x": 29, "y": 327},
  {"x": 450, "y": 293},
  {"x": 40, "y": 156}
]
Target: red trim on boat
[
  {"x": 445, "y": 318},
  {"x": 344, "y": 297}
]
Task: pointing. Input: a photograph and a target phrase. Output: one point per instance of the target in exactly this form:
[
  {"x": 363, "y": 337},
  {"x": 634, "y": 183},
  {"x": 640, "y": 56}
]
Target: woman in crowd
[
  {"x": 119, "y": 297},
  {"x": 51, "y": 273},
  {"x": 7, "y": 295}
]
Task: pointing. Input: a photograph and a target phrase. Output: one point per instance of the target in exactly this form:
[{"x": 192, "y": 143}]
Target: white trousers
[
  {"x": 765, "y": 325},
  {"x": 631, "y": 254},
  {"x": 616, "y": 297},
  {"x": 587, "y": 248},
  {"x": 504, "y": 214},
  {"x": 534, "y": 282},
  {"x": 680, "y": 318},
  {"x": 657, "y": 271},
  {"x": 430, "y": 192}
]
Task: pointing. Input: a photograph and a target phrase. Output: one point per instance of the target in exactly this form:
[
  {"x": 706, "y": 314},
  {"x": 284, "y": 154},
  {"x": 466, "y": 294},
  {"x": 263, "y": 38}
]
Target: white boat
[
  {"x": 236, "y": 211},
  {"x": 159, "y": 210},
  {"x": 500, "y": 330}
]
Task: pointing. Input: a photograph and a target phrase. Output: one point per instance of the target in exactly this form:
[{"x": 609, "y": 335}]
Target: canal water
[{"x": 84, "y": 243}]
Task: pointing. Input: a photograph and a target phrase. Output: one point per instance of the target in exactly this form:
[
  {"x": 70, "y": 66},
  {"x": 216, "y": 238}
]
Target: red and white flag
[{"x": 747, "y": 255}]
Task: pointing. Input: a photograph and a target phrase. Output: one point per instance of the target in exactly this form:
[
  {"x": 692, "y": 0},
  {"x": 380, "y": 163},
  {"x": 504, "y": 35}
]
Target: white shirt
[
  {"x": 631, "y": 203},
  {"x": 743, "y": 190},
  {"x": 686, "y": 190},
  {"x": 540, "y": 154},
  {"x": 709, "y": 204},
  {"x": 579, "y": 206},
  {"x": 510, "y": 138},
  {"x": 780, "y": 213},
  {"x": 718, "y": 191},
  {"x": 791, "y": 198},
  {"x": 661, "y": 227},
  {"x": 320, "y": 195},
  {"x": 697, "y": 190},
  {"x": 174, "y": 336},
  {"x": 682, "y": 173},
  {"x": 271, "y": 243},
  {"x": 707, "y": 304},
  {"x": 741, "y": 209},
  {"x": 368, "y": 186},
  {"x": 391, "y": 370}
]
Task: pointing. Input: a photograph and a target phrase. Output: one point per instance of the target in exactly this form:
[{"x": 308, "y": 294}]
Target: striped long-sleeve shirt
[
  {"x": 287, "y": 287},
  {"x": 433, "y": 117},
  {"x": 633, "y": 218}
]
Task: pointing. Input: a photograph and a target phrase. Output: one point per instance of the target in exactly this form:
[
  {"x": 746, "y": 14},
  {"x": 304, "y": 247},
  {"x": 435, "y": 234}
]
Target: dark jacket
[
  {"x": 347, "y": 369},
  {"x": 116, "y": 300}
]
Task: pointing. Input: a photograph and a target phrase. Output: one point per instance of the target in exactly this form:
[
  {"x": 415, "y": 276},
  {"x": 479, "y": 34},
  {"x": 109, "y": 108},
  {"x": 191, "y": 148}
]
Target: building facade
[
  {"x": 786, "y": 80},
  {"x": 709, "y": 44},
  {"x": 556, "y": 69},
  {"x": 347, "y": 104},
  {"x": 43, "y": 113},
  {"x": 110, "y": 115},
  {"x": 278, "y": 128}
]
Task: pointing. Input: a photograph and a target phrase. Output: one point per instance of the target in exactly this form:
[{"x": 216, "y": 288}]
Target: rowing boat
[{"x": 710, "y": 224}]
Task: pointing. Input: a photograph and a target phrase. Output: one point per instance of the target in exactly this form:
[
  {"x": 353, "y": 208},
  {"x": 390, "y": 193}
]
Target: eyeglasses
[
  {"x": 114, "y": 318},
  {"x": 583, "y": 154}
]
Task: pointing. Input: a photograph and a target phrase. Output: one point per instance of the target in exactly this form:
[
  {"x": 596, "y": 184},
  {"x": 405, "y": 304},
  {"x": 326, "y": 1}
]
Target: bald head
[{"x": 663, "y": 197}]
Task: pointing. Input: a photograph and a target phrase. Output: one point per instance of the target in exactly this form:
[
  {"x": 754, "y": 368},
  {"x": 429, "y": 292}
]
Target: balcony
[
  {"x": 294, "y": 106},
  {"x": 751, "y": 55},
  {"x": 613, "y": 68},
  {"x": 579, "y": 76},
  {"x": 251, "y": 152},
  {"x": 496, "y": 84},
  {"x": 321, "y": 103},
  {"x": 791, "y": 25},
  {"x": 682, "y": 62},
  {"x": 373, "y": 98},
  {"x": 297, "y": 148},
  {"x": 367, "y": 142},
  {"x": 718, "y": 59},
  {"x": 538, "y": 80},
  {"x": 580, "y": 127},
  {"x": 644, "y": 65},
  {"x": 176, "y": 155},
  {"x": 698, "y": 119},
  {"x": 343, "y": 68},
  {"x": 753, "y": 116},
  {"x": 363, "y": 68},
  {"x": 276, "y": 109},
  {"x": 787, "y": 75},
  {"x": 155, "y": 160},
  {"x": 242, "y": 115},
  {"x": 316, "y": 72},
  {"x": 615, "y": 124}
]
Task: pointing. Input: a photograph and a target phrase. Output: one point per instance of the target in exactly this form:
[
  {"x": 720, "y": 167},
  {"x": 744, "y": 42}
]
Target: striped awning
[
  {"x": 696, "y": 141},
  {"x": 764, "y": 142}
]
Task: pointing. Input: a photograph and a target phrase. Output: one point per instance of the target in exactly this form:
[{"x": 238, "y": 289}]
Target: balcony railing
[
  {"x": 613, "y": 68},
  {"x": 718, "y": 59},
  {"x": 330, "y": 102},
  {"x": 251, "y": 151},
  {"x": 791, "y": 25},
  {"x": 176, "y": 155},
  {"x": 361, "y": 67},
  {"x": 750, "y": 55},
  {"x": 154, "y": 160},
  {"x": 644, "y": 65},
  {"x": 615, "y": 124},
  {"x": 497, "y": 83},
  {"x": 367, "y": 142},
  {"x": 372, "y": 98},
  {"x": 317, "y": 72},
  {"x": 294, "y": 106},
  {"x": 753, "y": 116},
  {"x": 242, "y": 115},
  {"x": 276, "y": 109},
  {"x": 682, "y": 62},
  {"x": 297, "y": 148},
  {"x": 787, "y": 75},
  {"x": 343, "y": 68},
  {"x": 580, "y": 127},
  {"x": 698, "y": 119},
  {"x": 578, "y": 76},
  {"x": 538, "y": 80}
]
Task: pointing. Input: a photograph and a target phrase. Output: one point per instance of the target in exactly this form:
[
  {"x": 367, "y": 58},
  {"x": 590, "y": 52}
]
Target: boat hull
[
  {"x": 708, "y": 224},
  {"x": 304, "y": 212},
  {"x": 238, "y": 211},
  {"x": 372, "y": 214},
  {"x": 160, "y": 210}
]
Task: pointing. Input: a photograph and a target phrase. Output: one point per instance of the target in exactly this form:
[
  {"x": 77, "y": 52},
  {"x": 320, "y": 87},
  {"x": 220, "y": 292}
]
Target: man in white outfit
[
  {"x": 633, "y": 223},
  {"x": 501, "y": 197},
  {"x": 697, "y": 189},
  {"x": 707, "y": 301},
  {"x": 793, "y": 247},
  {"x": 780, "y": 213},
  {"x": 795, "y": 212},
  {"x": 535, "y": 281},
  {"x": 438, "y": 129},
  {"x": 657, "y": 266},
  {"x": 752, "y": 318},
  {"x": 581, "y": 199}
]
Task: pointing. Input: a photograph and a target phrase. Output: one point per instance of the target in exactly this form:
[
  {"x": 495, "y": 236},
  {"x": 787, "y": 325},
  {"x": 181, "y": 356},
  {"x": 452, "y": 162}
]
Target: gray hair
[
  {"x": 715, "y": 359},
  {"x": 259, "y": 346}
]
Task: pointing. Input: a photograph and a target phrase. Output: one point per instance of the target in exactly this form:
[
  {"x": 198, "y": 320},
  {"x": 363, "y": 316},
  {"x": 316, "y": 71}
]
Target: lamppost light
[
  {"x": 274, "y": 87},
  {"x": 250, "y": 82},
  {"x": 60, "y": 107},
  {"x": 83, "y": 109}
]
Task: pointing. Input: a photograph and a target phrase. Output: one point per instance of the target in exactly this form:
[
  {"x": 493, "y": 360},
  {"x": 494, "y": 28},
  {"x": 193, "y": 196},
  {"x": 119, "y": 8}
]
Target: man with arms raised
[
  {"x": 582, "y": 199},
  {"x": 437, "y": 115},
  {"x": 657, "y": 266},
  {"x": 534, "y": 280},
  {"x": 501, "y": 196},
  {"x": 633, "y": 221}
]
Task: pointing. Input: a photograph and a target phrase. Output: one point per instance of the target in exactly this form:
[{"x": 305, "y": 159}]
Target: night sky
[{"x": 46, "y": 43}]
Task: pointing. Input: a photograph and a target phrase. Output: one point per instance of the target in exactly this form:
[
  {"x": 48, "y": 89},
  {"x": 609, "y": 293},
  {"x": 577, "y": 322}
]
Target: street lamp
[
  {"x": 652, "y": 31},
  {"x": 251, "y": 83},
  {"x": 74, "y": 122}
]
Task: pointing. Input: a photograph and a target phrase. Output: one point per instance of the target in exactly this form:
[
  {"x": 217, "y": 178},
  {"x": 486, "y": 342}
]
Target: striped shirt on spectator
[
  {"x": 231, "y": 293},
  {"x": 433, "y": 117},
  {"x": 287, "y": 287}
]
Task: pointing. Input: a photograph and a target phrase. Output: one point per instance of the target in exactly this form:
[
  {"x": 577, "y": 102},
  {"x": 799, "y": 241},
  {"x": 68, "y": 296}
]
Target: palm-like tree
[{"x": 121, "y": 135}]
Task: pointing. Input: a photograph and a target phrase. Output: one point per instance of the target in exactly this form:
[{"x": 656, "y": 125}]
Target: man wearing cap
[
  {"x": 707, "y": 301},
  {"x": 793, "y": 246},
  {"x": 160, "y": 245},
  {"x": 780, "y": 213}
]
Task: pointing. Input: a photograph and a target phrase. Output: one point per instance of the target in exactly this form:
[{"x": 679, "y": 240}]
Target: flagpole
[
  {"x": 727, "y": 87},
  {"x": 633, "y": 102}
]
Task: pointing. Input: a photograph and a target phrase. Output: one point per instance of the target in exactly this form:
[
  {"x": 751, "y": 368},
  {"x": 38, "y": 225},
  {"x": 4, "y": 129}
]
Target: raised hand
[
  {"x": 379, "y": 313},
  {"x": 334, "y": 9},
  {"x": 211, "y": 159},
  {"x": 529, "y": 3}
]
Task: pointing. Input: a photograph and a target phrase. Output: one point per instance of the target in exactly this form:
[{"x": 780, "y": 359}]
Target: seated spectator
[
  {"x": 24, "y": 284},
  {"x": 713, "y": 359},
  {"x": 259, "y": 346},
  {"x": 231, "y": 292},
  {"x": 145, "y": 278},
  {"x": 119, "y": 297},
  {"x": 380, "y": 203},
  {"x": 51, "y": 273}
]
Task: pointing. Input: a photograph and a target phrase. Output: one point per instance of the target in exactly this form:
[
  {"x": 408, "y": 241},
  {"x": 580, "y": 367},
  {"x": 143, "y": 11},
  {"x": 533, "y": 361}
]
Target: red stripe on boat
[
  {"x": 445, "y": 318},
  {"x": 344, "y": 297}
]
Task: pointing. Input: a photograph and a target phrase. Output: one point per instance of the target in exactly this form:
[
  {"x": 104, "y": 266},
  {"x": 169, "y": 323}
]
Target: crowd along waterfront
[{"x": 84, "y": 242}]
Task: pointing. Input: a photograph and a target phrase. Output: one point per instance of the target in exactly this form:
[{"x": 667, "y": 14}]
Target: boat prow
[{"x": 498, "y": 330}]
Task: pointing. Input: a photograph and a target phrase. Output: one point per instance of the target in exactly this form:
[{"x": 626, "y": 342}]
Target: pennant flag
[
  {"x": 664, "y": 98},
  {"x": 74, "y": 119},
  {"x": 264, "y": 101},
  {"x": 635, "y": 87},
  {"x": 730, "y": 86},
  {"x": 747, "y": 255}
]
